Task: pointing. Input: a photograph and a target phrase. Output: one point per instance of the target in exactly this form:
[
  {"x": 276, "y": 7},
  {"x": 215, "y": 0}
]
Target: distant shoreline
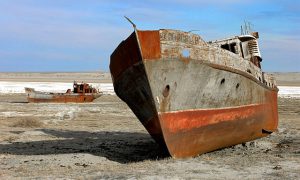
[
  {"x": 49, "y": 72},
  {"x": 56, "y": 80},
  {"x": 97, "y": 77},
  {"x": 283, "y": 79}
]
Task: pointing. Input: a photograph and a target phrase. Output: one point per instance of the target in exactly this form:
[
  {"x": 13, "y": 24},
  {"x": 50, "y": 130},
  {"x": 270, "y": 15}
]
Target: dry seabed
[{"x": 104, "y": 139}]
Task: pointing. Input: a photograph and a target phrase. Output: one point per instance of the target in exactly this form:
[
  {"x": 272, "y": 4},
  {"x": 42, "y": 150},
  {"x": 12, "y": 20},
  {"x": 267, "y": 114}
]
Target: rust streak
[
  {"x": 150, "y": 44},
  {"x": 189, "y": 119}
]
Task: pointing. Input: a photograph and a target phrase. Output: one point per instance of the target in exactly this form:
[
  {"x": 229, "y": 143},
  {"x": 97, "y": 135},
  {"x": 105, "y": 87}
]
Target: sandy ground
[{"x": 105, "y": 140}]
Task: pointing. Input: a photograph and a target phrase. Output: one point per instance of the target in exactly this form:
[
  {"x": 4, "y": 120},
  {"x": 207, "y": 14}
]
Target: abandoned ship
[
  {"x": 82, "y": 92},
  {"x": 194, "y": 96}
]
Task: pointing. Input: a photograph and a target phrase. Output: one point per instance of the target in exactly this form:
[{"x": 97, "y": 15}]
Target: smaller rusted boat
[{"x": 82, "y": 92}]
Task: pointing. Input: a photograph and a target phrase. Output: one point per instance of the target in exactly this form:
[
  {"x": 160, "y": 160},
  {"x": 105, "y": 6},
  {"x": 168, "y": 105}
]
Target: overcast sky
[{"x": 80, "y": 35}]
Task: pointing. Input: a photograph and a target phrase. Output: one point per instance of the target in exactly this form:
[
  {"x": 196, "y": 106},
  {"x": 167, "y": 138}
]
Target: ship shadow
[{"x": 122, "y": 147}]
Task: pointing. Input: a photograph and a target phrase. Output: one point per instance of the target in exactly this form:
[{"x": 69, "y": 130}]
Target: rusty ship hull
[
  {"x": 191, "y": 96},
  {"x": 60, "y": 98}
]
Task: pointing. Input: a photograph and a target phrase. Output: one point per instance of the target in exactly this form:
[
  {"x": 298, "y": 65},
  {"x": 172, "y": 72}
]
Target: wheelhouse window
[
  {"x": 230, "y": 47},
  {"x": 225, "y": 46}
]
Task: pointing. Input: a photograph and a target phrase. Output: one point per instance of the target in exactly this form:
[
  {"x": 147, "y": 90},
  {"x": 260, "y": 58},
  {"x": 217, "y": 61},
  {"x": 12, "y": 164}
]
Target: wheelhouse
[{"x": 245, "y": 46}]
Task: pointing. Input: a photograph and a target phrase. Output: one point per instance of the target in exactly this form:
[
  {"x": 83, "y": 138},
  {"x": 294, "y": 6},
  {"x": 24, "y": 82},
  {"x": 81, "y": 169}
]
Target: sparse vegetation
[
  {"x": 11, "y": 139},
  {"x": 28, "y": 123}
]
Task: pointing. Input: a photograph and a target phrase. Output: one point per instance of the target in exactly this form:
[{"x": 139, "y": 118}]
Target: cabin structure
[
  {"x": 83, "y": 88},
  {"x": 246, "y": 46}
]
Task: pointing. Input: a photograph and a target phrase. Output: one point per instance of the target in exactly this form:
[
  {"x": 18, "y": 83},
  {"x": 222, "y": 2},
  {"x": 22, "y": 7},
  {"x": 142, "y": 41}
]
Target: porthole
[
  {"x": 223, "y": 81},
  {"x": 166, "y": 91}
]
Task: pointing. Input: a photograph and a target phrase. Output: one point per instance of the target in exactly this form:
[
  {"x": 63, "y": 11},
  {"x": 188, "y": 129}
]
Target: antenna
[
  {"x": 246, "y": 28},
  {"x": 134, "y": 26},
  {"x": 250, "y": 29},
  {"x": 242, "y": 31}
]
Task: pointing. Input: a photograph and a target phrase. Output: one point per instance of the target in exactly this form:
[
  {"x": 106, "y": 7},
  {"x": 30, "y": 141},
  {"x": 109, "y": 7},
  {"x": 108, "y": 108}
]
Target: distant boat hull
[
  {"x": 194, "y": 104},
  {"x": 43, "y": 97}
]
